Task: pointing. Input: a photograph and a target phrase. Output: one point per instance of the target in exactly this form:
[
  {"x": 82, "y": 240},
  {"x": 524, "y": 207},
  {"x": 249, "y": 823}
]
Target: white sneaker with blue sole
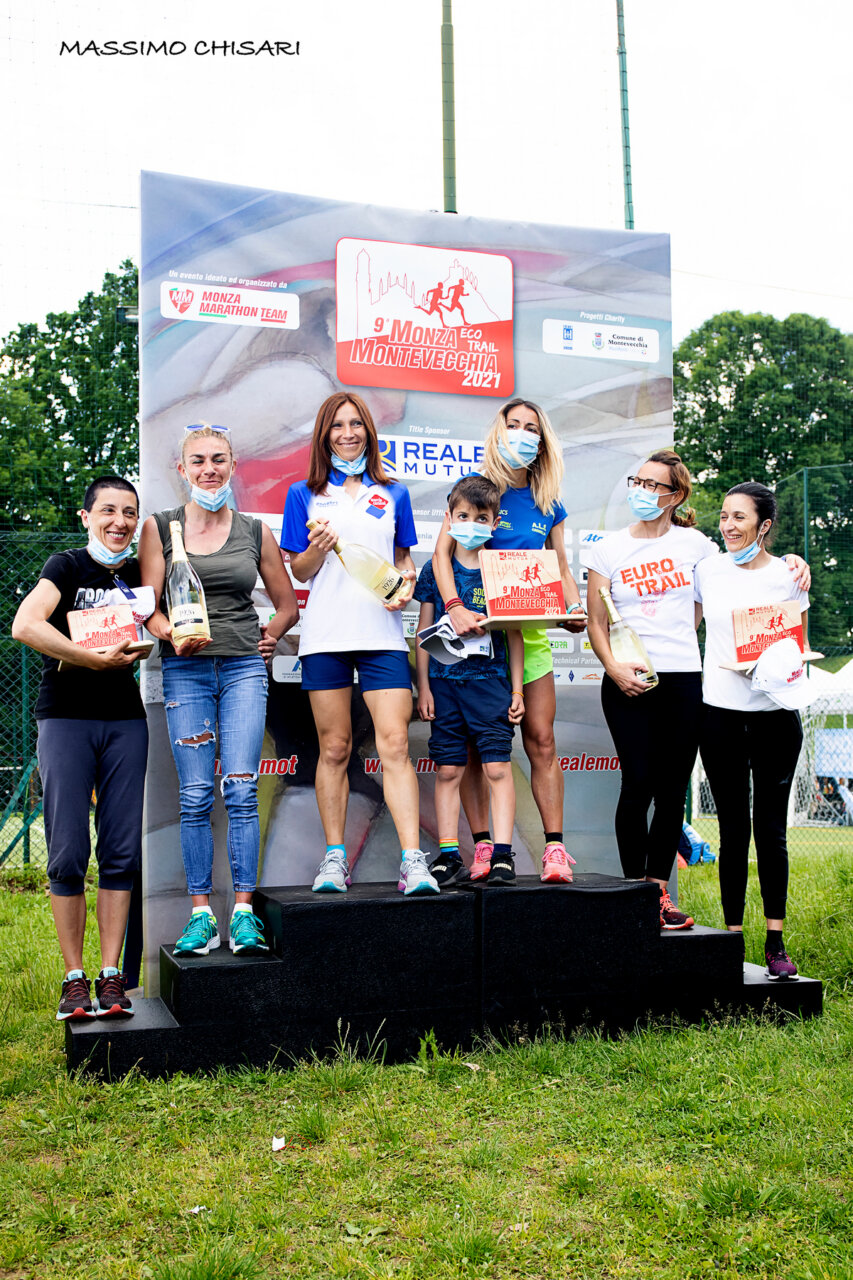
[
  {"x": 415, "y": 875},
  {"x": 332, "y": 874}
]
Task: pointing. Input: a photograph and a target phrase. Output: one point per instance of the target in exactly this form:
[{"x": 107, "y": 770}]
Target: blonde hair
[
  {"x": 546, "y": 472},
  {"x": 204, "y": 432}
]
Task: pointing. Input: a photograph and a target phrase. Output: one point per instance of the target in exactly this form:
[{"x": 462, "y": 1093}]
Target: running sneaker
[
  {"x": 780, "y": 966},
  {"x": 502, "y": 870},
  {"x": 199, "y": 935},
  {"x": 112, "y": 1000},
  {"x": 415, "y": 875},
  {"x": 76, "y": 1001},
  {"x": 446, "y": 869},
  {"x": 670, "y": 916},
  {"x": 247, "y": 933},
  {"x": 332, "y": 874},
  {"x": 557, "y": 864}
]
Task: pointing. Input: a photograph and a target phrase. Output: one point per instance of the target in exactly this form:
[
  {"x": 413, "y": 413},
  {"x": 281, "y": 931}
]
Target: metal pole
[
  {"x": 626, "y": 133},
  {"x": 25, "y": 719},
  {"x": 805, "y": 513},
  {"x": 448, "y": 108}
]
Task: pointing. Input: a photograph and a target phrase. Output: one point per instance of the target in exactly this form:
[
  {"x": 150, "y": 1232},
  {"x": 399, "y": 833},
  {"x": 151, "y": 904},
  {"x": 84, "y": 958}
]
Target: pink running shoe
[
  {"x": 482, "y": 860},
  {"x": 557, "y": 864}
]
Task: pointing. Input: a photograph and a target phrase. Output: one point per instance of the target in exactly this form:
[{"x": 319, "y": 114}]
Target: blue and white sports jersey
[
  {"x": 340, "y": 616},
  {"x": 521, "y": 525}
]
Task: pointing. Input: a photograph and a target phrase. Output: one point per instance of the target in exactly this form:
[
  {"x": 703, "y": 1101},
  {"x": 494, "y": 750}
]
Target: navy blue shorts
[
  {"x": 474, "y": 711},
  {"x": 377, "y": 669}
]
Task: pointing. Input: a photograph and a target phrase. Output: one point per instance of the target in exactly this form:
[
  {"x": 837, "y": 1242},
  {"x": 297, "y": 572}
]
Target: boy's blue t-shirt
[
  {"x": 521, "y": 525},
  {"x": 469, "y": 588}
]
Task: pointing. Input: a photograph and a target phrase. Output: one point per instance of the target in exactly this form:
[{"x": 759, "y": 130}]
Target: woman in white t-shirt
[
  {"x": 346, "y": 629},
  {"x": 745, "y": 733},
  {"x": 648, "y": 569}
]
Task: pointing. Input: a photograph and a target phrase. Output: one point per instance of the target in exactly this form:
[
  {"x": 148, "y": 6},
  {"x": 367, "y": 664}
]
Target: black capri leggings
[
  {"x": 766, "y": 744},
  {"x": 656, "y": 735}
]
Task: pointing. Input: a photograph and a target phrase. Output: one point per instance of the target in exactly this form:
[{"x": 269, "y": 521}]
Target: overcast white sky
[{"x": 740, "y": 114}]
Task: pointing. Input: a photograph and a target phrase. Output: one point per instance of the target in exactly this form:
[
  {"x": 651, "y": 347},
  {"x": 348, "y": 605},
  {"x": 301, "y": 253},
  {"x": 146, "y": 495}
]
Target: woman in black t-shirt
[{"x": 92, "y": 736}]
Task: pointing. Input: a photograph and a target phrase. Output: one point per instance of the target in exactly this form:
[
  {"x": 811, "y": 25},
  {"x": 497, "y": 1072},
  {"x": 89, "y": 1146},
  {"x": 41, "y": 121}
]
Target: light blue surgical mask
[
  {"x": 521, "y": 447},
  {"x": 211, "y": 501},
  {"x": 471, "y": 535},
  {"x": 746, "y": 554},
  {"x": 644, "y": 505},
  {"x": 103, "y": 555},
  {"x": 353, "y": 467}
]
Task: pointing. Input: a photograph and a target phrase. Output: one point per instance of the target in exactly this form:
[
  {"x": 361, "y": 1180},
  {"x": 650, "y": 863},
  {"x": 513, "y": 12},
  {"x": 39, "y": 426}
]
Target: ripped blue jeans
[{"x": 216, "y": 708}]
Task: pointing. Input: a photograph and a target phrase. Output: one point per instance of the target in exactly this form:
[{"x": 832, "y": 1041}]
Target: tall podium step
[{"x": 378, "y": 971}]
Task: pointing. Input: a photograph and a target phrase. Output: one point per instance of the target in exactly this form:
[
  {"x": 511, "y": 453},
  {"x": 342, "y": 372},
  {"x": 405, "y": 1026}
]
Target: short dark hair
[
  {"x": 107, "y": 482},
  {"x": 764, "y": 499},
  {"x": 479, "y": 491}
]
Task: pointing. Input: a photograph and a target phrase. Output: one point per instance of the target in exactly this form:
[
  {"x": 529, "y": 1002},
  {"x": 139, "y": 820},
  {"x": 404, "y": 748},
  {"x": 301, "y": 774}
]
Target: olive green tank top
[{"x": 228, "y": 577}]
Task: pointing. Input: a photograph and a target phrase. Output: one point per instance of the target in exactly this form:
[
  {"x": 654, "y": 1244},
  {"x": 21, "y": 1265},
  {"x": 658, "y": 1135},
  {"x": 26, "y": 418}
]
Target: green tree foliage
[
  {"x": 758, "y": 398},
  {"x": 68, "y": 406}
]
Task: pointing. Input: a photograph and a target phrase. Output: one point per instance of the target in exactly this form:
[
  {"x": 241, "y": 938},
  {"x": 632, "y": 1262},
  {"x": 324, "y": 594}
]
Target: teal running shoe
[
  {"x": 247, "y": 933},
  {"x": 199, "y": 935}
]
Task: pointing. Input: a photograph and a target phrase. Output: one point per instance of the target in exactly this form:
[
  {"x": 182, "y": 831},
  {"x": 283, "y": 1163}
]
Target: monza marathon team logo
[{"x": 423, "y": 318}]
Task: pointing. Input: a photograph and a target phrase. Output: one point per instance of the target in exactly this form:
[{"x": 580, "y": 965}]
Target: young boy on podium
[{"x": 469, "y": 690}]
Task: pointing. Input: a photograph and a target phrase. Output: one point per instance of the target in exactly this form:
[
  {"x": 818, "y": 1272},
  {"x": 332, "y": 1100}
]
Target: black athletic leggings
[
  {"x": 656, "y": 735},
  {"x": 766, "y": 744}
]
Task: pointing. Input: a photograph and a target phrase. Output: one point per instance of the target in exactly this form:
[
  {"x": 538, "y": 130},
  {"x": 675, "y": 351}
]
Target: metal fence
[{"x": 22, "y": 841}]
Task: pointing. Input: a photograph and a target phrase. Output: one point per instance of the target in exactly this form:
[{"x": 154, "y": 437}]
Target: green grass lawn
[{"x": 684, "y": 1152}]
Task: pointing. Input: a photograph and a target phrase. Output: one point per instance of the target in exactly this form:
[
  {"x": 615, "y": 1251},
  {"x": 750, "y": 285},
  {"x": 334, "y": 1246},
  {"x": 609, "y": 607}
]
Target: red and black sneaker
[
  {"x": 670, "y": 916},
  {"x": 76, "y": 1001},
  {"x": 111, "y": 998}
]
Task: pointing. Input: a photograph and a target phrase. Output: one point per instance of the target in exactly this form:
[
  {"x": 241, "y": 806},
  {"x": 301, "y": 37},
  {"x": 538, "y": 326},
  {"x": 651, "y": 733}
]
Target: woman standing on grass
[
  {"x": 648, "y": 568},
  {"x": 751, "y": 729},
  {"x": 522, "y": 457},
  {"x": 215, "y": 690}
]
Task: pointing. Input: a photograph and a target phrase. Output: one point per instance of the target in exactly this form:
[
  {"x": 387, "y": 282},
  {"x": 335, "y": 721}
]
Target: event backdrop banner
[{"x": 256, "y": 305}]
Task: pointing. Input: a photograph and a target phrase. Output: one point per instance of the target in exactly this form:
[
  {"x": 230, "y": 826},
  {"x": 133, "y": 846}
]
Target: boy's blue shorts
[
  {"x": 475, "y": 711},
  {"x": 377, "y": 669}
]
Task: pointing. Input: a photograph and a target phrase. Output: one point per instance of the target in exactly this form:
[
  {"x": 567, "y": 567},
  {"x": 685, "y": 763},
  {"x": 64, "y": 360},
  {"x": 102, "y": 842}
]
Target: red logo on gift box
[{"x": 181, "y": 299}]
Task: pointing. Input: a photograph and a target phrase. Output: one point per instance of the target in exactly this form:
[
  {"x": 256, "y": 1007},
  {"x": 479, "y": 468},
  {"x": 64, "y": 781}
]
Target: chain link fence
[{"x": 22, "y": 841}]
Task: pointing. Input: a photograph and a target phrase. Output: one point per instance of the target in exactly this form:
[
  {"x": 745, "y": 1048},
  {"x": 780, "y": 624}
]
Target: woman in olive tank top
[{"x": 215, "y": 690}]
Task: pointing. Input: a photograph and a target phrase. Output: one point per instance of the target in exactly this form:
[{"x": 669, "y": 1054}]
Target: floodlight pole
[
  {"x": 626, "y": 133},
  {"x": 448, "y": 108}
]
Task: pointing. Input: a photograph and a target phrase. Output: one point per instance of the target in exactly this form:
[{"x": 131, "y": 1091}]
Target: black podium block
[
  {"x": 549, "y": 952},
  {"x": 377, "y": 971}
]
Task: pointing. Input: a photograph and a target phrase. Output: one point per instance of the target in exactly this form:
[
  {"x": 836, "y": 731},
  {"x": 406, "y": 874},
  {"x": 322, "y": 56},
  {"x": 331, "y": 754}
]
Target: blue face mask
[
  {"x": 471, "y": 535},
  {"x": 747, "y": 553},
  {"x": 644, "y": 505},
  {"x": 352, "y": 468},
  {"x": 523, "y": 447},
  {"x": 103, "y": 555},
  {"x": 211, "y": 501}
]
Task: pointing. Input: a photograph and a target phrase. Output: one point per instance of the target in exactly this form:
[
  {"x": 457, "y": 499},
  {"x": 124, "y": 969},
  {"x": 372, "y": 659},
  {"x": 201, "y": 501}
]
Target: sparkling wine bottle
[
  {"x": 626, "y": 645},
  {"x": 184, "y": 593},
  {"x": 370, "y": 570}
]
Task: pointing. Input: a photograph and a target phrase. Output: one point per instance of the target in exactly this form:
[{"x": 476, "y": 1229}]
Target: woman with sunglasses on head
[
  {"x": 750, "y": 735},
  {"x": 522, "y": 457},
  {"x": 215, "y": 690},
  {"x": 648, "y": 569},
  {"x": 346, "y": 629}
]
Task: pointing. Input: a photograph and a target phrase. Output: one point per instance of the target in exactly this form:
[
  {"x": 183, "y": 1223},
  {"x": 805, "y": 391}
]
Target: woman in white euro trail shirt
[
  {"x": 745, "y": 733},
  {"x": 648, "y": 569},
  {"x": 346, "y": 629}
]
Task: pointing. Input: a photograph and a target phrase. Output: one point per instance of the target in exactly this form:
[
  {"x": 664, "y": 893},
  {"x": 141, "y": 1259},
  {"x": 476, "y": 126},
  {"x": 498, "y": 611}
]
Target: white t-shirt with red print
[{"x": 651, "y": 581}]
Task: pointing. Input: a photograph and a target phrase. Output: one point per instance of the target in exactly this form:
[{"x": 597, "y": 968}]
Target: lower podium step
[{"x": 378, "y": 971}]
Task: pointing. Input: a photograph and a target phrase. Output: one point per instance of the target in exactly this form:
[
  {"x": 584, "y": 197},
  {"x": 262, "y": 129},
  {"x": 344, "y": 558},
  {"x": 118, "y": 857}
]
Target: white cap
[{"x": 780, "y": 673}]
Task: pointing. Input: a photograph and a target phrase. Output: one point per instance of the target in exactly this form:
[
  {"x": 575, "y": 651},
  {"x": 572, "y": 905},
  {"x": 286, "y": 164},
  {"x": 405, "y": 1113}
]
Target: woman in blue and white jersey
[{"x": 346, "y": 629}]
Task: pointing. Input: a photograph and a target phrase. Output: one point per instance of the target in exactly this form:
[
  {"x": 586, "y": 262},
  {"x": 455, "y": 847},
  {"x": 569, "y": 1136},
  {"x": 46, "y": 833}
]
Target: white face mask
[{"x": 210, "y": 501}]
